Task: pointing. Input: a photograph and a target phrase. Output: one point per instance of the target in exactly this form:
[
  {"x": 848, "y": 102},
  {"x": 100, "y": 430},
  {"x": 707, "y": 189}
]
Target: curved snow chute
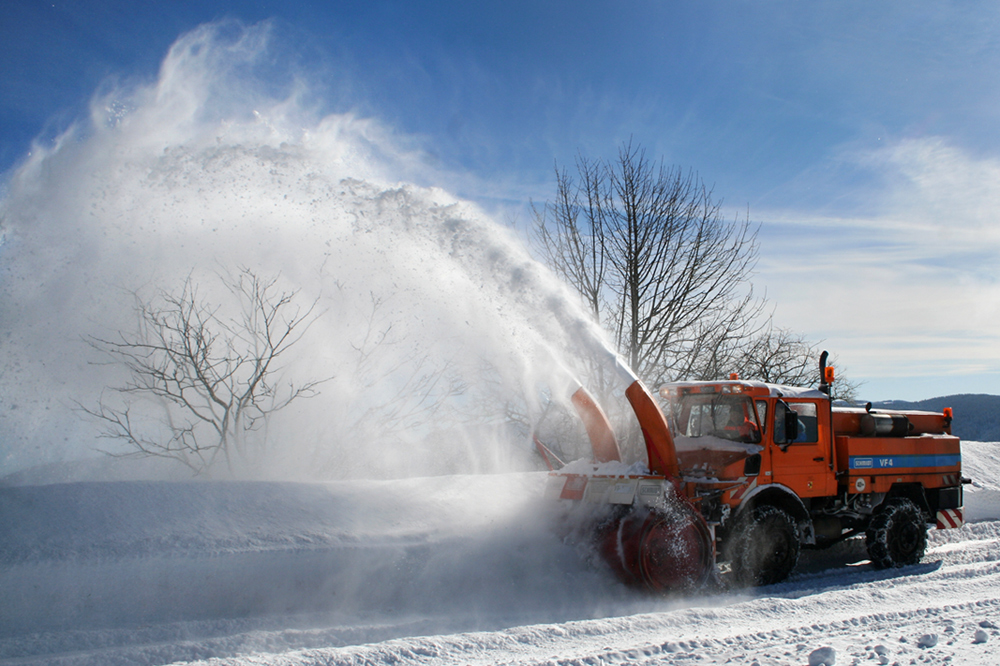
[
  {"x": 655, "y": 432},
  {"x": 602, "y": 438},
  {"x": 664, "y": 544},
  {"x": 599, "y": 431},
  {"x": 659, "y": 443}
]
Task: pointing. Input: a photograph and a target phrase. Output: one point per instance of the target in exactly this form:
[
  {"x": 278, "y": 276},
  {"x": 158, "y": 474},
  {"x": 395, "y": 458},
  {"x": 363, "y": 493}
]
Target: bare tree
[
  {"x": 773, "y": 355},
  {"x": 390, "y": 393},
  {"x": 205, "y": 381},
  {"x": 398, "y": 386},
  {"x": 650, "y": 252},
  {"x": 659, "y": 268},
  {"x": 571, "y": 235},
  {"x": 778, "y": 356}
]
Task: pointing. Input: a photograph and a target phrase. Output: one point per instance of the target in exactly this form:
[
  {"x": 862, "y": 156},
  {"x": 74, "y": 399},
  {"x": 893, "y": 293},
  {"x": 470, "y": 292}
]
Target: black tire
[
  {"x": 763, "y": 548},
  {"x": 896, "y": 535}
]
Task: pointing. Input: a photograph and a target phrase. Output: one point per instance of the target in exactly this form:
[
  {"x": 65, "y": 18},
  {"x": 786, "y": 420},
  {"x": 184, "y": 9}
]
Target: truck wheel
[
  {"x": 896, "y": 535},
  {"x": 764, "y": 547}
]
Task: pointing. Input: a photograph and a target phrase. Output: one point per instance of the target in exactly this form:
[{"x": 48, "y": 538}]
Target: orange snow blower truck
[{"x": 748, "y": 473}]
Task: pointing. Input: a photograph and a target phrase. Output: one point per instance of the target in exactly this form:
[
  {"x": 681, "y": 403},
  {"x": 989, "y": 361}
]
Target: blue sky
[{"x": 863, "y": 137}]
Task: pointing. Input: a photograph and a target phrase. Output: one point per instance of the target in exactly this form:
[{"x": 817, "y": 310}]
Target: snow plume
[{"x": 434, "y": 321}]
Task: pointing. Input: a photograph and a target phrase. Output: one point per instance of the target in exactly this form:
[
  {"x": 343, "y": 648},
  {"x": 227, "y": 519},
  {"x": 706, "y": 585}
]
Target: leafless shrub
[{"x": 205, "y": 381}]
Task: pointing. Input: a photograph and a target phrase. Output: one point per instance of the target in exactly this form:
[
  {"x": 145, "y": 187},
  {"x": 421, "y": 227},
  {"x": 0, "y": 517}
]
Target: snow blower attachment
[
  {"x": 754, "y": 472},
  {"x": 649, "y": 532}
]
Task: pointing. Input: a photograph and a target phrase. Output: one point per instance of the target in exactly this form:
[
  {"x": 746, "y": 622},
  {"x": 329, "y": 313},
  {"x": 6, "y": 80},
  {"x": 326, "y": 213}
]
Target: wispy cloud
[{"x": 911, "y": 287}]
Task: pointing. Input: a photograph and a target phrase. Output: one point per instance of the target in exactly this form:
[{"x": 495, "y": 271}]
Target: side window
[
  {"x": 761, "y": 406},
  {"x": 808, "y": 421}
]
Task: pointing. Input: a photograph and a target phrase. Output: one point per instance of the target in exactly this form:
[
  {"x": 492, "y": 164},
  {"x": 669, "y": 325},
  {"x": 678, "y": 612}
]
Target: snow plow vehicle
[{"x": 748, "y": 473}]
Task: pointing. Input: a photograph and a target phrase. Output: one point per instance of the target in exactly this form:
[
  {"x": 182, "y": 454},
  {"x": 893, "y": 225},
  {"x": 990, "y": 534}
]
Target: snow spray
[{"x": 435, "y": 323}]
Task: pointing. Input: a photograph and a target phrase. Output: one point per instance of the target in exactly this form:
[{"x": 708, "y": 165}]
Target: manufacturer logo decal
[{"x": 648, "y": 489}]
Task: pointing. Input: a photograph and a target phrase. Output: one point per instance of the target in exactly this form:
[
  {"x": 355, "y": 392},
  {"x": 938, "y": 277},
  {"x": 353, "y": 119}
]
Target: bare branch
[
  {"x": 665, "y": 273},
  {"x": 204, "y": 381}
]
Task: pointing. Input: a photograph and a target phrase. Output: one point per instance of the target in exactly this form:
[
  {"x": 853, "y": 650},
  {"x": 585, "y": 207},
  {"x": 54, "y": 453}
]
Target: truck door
[{"x": 804, "y": 464}]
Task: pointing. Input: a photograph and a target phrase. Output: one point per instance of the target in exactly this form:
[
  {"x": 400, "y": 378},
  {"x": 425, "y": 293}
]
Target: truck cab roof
[{"x": 753, "y": 389}]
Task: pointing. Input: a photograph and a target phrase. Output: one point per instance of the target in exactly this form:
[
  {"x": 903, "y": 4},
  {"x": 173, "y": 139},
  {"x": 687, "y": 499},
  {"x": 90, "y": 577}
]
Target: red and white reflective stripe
[
  {"x": 949, "y": 519},
  {"x": 950, "y": 479}
]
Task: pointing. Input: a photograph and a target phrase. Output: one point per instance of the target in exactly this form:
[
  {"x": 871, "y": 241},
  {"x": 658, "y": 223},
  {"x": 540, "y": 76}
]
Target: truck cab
[{"x": 783, "y": 433}]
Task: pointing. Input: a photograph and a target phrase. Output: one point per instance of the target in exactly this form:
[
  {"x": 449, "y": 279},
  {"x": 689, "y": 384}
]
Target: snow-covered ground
[{"x": 443, "y": 570}]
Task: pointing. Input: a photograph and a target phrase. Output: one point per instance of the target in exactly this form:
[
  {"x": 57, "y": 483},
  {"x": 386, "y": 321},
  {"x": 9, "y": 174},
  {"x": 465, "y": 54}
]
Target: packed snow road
[
  {"x": 947, "y": 608},
  {"x": 461, "y": 569}
]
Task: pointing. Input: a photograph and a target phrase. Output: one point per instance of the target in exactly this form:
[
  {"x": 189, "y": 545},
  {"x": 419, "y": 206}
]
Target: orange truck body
[
  {"x": 752, "y": 472},
  {"x": 843, "y": 455}
]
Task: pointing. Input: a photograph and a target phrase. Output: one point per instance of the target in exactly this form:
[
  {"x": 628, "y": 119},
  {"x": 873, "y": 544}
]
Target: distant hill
[{"x": 977, "y": 415}]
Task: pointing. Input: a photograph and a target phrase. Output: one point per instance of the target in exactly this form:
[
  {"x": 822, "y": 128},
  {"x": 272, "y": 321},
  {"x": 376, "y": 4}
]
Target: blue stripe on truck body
[{"x": 905, "y": 462}]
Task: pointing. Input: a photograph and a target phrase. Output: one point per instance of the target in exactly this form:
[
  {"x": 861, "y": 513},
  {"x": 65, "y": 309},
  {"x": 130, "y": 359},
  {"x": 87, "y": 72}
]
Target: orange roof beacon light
[
  {"x": 734, "y": 376},
  {"x": 825, "y": 374}
]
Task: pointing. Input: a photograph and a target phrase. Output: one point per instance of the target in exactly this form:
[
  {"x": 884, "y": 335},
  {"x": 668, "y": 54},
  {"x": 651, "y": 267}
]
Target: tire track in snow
[
  {"x": 924, "y": 602},
  {"x": 953, "y": 627},
  {"x": 848, "y": 607}
]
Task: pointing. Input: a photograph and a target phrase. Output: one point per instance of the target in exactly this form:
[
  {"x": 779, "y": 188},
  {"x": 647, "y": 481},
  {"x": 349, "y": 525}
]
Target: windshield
[{"x": 726, "y": 416}]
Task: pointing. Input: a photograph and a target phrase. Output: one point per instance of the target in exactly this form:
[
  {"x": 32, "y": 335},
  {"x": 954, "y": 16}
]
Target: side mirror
[
  {"x": 786, "y": 424},
  {"x": 791, "y": 426}
]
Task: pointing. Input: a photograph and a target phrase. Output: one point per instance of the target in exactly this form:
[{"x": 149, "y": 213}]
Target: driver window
[{"x": 808, "y": 421}]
